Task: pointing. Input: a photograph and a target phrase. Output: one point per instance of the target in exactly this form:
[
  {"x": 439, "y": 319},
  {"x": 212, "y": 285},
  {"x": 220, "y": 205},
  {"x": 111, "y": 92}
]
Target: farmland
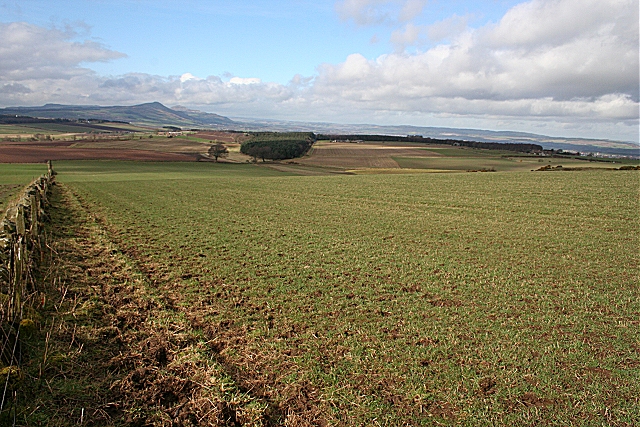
[
  {"x": 416, "y": 157},
  {"x": 424, "y": 299},
  {"x": 15, "y": 177}
]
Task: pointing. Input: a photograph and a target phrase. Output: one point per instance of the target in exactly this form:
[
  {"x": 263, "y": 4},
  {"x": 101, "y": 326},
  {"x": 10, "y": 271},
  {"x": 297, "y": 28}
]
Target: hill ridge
[{"x": 150, "y": 113}]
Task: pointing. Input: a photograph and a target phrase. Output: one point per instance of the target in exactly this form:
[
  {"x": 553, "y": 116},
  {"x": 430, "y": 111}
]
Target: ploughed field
[{"x": 426, "y": 299}]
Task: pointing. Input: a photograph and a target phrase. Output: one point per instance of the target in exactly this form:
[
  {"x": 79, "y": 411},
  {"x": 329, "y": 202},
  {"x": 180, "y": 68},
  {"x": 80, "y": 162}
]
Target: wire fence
[{"x": 21, "y": 251}]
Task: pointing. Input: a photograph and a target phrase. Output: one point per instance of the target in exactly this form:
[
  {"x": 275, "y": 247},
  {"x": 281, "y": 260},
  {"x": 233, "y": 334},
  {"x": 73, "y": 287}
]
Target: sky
[{"x": 555, "y": 67}]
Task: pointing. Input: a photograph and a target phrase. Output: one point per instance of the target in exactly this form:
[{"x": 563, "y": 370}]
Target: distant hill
[
  {"x": 150, "y": 114},
  {"x": 624, "y": 148},
  {"x": 155, "y": 114}
]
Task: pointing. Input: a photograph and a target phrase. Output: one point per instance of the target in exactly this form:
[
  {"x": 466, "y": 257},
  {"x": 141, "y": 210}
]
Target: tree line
[{"x": 508, "y": 146}]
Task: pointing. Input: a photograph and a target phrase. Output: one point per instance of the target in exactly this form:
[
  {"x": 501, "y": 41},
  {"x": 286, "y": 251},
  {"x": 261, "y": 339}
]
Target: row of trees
[
  {"x": 289, "y": 145},
  {"x": 509, "y": 146}
]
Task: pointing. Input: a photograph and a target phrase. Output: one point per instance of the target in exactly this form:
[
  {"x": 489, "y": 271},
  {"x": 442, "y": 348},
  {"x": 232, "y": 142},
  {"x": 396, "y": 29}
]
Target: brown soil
[
  {"x": 32, "y": 153},
  {"x": 365, "y": 155},
  {"x": 38, "y": 143},
  {"x": 229, "y": 137}
]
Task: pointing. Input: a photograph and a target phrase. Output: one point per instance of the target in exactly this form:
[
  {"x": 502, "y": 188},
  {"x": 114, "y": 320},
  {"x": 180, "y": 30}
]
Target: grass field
[
  {"x": 426, "y": 299},
  {"x": 14, "y": 177},
  {"x": 42, "y": 128},
  {"x": 17, "y": 130}
]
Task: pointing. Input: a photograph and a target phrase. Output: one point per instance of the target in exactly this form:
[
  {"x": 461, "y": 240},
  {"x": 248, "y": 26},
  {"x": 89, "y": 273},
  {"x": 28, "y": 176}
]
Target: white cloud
[
  {"x": 31, "y": 52},
  {"x": 188, "y": 76},
  {"x": 409, "y": 36},
  {"x": 411, "y": 9},
  {"x": 539, "y": 23},
  {"x": 581, "y": 64},
  {"x": 244, "y": 81},
  {"x": 540, "y": 64},
  {"x": 447, "y": 28}
]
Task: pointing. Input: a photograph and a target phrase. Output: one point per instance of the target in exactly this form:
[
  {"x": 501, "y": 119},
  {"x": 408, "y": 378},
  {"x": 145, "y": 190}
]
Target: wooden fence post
[
  {"x": 20, "y": 225},
  {"x": 35, "y": 210},
  {"x": 15, "y": 299}
]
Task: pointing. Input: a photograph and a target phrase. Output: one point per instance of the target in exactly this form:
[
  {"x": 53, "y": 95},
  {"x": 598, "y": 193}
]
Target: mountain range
[{"x": 155, "y": 114}]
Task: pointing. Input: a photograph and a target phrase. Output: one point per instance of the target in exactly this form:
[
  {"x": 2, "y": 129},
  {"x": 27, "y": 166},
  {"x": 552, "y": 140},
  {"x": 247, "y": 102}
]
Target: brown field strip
[
  {"x": 39, "y": 154},
  {"x": 355, "y": 156},
  {"x": 226, "y": 137}
]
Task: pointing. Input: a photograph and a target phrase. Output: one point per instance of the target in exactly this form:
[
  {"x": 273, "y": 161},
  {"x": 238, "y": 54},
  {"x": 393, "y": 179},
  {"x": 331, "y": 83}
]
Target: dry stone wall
[{"x": 21, "y": 250}]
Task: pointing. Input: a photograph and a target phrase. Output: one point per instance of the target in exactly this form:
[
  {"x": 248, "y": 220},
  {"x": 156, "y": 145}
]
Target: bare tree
[{"x": 218, "y": 150}]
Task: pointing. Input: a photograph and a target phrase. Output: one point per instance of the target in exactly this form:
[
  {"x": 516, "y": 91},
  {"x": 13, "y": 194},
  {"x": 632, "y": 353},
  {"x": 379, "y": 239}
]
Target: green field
[
  {"x": 58, "y": 128},
  {"x": 14, "y": 177},
  {"x": 427, "y": 299},
  {"x": 462, "y": 159}
]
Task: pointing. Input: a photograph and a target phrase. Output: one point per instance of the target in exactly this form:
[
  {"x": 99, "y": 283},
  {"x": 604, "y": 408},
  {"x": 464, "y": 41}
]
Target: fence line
[{"x": 21, "y": 250}]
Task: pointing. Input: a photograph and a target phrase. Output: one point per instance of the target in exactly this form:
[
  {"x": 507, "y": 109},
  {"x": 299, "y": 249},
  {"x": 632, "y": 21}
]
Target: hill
[
  {"x": 151, "y": 114},
  {"x": 156, "y": 114},
  {"x": 606, "y": 146}
]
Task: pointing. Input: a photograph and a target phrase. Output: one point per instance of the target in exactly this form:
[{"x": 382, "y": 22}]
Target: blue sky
[
  {"x": 272, "y": 40},
  {"x": 557, "y": 67}
]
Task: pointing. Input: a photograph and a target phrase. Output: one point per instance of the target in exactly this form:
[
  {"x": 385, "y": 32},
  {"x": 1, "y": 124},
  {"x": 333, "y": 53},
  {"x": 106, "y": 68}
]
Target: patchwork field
[
  {"x": 144, "y": 147},
  {"x": 325, "y": 157},
  {"x": 425, "y": 299},
  {"x": 371, "y": 155},
  {"x": 354, "y": 156}
]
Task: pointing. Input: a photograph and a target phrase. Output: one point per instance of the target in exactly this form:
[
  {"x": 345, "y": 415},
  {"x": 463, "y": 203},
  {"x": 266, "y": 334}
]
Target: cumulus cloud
[
  {"x": 570, "y": 58},
  {"x": 244, "y": 81},
  {"x": 568, "y": 62},
  {"x": 31, "y": 52},
  {"x": 188, "y": 76}
]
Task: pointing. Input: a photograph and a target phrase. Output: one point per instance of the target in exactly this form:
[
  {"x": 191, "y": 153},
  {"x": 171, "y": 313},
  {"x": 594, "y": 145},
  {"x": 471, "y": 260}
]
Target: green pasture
[
  {"x": 121, "y": 171},
  {"x": 455, "y": 159},
  {"x": 48, "y": 128},
  {"x": 14, "y": 177},
  {"x": 16, "y": 173},
  {"x": 24, "y": 129},
  {"x": 56, "y": 128},
  {"x": 470, "y": 152},
  {"x": 63, "y": 128},
  {"x": 427, "y": 299},
  {"x": 130, "y": 127}
]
